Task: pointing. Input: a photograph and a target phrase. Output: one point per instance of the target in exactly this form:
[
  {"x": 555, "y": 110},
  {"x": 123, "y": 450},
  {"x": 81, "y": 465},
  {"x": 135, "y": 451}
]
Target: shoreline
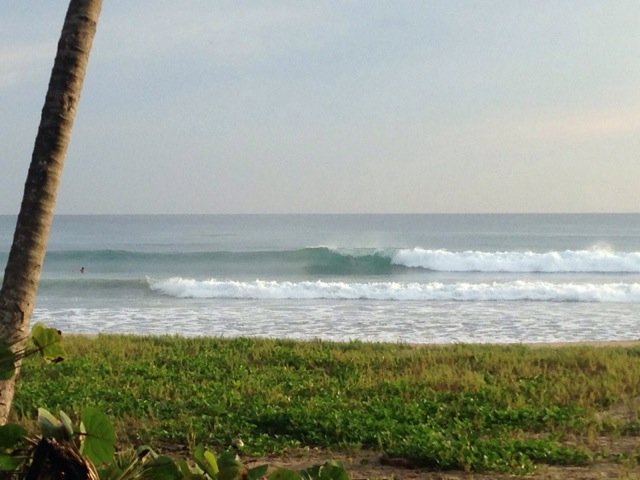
[
  {"x": 560, "y": 344},
  {"x": 589, "y": 343}
]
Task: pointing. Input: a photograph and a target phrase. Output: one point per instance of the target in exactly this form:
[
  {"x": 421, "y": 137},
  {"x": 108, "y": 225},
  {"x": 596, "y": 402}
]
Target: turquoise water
[{"x": 412, "y": 278}]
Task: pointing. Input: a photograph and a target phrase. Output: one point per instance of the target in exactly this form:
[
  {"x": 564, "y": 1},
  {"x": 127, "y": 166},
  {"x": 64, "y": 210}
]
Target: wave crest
[
  {"x": 435, "y": 291},
  {"x": 580, "y": 261}
]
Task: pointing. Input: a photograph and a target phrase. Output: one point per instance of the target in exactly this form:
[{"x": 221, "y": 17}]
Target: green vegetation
[
  {"x": 65, "y": 451},
  {"x": 472, "y": 407}
]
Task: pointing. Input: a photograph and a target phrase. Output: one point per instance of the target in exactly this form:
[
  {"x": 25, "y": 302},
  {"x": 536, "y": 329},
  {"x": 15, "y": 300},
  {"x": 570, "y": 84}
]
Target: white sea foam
[
  {"x": 595, "y": 260},
  {"x": 415, "y": 322},
  {"x": 435, "y": 291}
]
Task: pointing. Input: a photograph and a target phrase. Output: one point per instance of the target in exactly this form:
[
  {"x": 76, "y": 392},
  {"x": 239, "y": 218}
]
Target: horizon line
[{"x": 326, "y": 213}]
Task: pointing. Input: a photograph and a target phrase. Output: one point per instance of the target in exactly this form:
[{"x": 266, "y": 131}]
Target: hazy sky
[{"x": 335, "y": 106}]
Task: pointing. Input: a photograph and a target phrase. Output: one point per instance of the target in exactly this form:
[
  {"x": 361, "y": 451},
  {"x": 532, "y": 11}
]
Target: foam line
[{"x": 435, "y": 291}]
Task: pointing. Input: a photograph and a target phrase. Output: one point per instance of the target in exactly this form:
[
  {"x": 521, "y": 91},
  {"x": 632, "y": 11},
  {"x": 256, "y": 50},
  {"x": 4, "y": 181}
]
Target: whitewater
[
  {"x": 407, "y": 278},
  {"x": 594, "y": 260},
  {"x": 469, "y": 292}
]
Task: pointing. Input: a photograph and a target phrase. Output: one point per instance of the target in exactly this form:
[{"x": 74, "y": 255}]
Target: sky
[{"x": 335, "y": 106}]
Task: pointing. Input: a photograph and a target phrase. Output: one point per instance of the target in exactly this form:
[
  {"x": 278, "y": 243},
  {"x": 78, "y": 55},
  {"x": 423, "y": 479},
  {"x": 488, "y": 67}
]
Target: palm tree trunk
[{"x": 22, "y": 273}]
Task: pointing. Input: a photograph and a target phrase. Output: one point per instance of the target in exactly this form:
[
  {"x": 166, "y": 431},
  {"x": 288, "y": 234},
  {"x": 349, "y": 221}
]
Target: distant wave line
[
  {"x": 85, "y": 281},
  {"x": 365, "y": 261}
]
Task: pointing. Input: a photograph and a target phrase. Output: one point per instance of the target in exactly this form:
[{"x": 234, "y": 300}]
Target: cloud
[{"x": 581, "y": 126}]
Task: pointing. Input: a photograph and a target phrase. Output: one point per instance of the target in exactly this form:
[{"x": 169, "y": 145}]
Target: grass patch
[{"x": 472, "y": 407}]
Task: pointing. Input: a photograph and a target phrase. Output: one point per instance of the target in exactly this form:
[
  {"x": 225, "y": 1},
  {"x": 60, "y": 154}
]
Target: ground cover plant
[
  {"x": 468, "y": 407},
  {"x": 87, "y": 451}
]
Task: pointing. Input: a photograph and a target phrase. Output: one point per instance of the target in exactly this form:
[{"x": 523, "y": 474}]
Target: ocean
[{"x": 399, "y": 278}]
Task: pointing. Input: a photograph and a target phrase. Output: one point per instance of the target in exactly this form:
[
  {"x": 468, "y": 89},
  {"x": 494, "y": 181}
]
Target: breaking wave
[
  {"x": 435, "y": 291},
  {"x": 348, "y": 261},
  {"x": 596, "y": 261}
]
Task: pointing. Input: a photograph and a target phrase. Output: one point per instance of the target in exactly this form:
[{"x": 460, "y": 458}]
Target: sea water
[{"x": 400, "y": 278}]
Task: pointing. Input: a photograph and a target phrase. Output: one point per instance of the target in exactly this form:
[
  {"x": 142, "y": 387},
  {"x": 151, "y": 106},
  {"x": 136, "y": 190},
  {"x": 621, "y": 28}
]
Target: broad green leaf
[
  {"x": 333, "y": 470},
  {"x": 234, "y": 472},
  {"x": 330, "y": 470},
  {"x": 311, "y": 473},
  {"x": 225, "y": 467},
  {"x": 9, "y": 462},
  {"x": 162, "y": 468},
  {"x": 184, "y": 468},
  {"x": 11, "y": 435},
  {"x": 228, "y": 459},
  {"x": 7, "y": 361},
  {"x": 188, "y": 474},
  {"x": 99, "y": 438},
  {"x": 50, "y": 426},
  {"x": 256, "y": 473},
  {"x": 48, "y": 341},
  {"x": 285, "y": 474},
  {"x": 206, "y": 460},
  {"x": 67, "y": 424},
  {"x": 210, "y": 457}
]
